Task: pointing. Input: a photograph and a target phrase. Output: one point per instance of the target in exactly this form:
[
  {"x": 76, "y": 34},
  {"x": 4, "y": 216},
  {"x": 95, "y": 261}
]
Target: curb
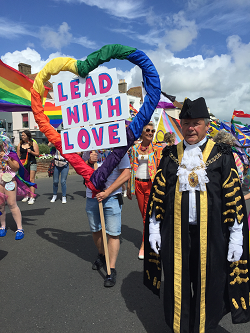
[{"x": 40, "y": 175}]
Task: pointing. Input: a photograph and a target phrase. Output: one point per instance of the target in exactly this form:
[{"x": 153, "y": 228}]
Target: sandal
[{"x": 19, "y": 234}]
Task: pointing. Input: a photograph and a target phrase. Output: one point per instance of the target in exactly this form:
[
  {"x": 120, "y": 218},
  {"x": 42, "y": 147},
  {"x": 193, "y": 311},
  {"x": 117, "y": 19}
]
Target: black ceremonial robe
[{"x": 222, "y": 286}]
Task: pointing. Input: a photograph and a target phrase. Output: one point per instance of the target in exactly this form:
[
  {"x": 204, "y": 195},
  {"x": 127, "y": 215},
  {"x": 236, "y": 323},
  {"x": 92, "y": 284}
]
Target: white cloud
[
  {"x": 28, "y": 56},
  {"x": 84, "y": 41},
  {"x": 180, "y": 38},
  {"x": 182, "y": 34},
  {"x": 11, "y": 30},
  {"x": 224, "y": 16},
  {"x": 120, "y": 8},
  {"x": 194, "y": 4},
  {"x": 222, "y": 80},
  {"x": 56, "y": 39},
  {"x": 33, "y": 58}
]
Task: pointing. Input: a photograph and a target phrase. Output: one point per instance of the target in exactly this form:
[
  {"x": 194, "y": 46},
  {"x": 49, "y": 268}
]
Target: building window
[{"x": 25, "y": 119}]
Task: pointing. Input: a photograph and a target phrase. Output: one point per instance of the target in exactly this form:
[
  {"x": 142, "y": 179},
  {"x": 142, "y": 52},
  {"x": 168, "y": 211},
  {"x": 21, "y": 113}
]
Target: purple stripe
[
  {"x": 99, "y": 177},
  {"x": 165, "y": 105},
  {"x": 10, "y": 107}
]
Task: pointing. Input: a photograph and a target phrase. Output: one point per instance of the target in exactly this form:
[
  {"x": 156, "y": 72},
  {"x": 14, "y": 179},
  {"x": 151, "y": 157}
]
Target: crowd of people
[{"x": 193, "y": 215}]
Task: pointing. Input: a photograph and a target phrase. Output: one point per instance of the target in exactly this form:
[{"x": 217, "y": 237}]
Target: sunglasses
[{"x": 148, "y": 130}]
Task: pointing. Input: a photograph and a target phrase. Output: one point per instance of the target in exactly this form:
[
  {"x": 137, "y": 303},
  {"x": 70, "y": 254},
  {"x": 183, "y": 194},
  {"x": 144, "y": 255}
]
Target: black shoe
[
  {"x": 110, "y": 280},
  {"x": 99, "y": 263}
]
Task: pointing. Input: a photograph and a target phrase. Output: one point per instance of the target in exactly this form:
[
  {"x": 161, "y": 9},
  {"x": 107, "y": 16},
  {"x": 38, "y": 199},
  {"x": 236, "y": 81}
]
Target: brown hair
[
  {"x": 169, "y": 138},
  {"x": 28, "y": 133}
]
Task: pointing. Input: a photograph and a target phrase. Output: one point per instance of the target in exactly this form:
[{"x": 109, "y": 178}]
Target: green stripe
[
  {"x": 12, "y": 98},
  {"x": 55, "y": 117},
  {"x": 105, "y": 54}
]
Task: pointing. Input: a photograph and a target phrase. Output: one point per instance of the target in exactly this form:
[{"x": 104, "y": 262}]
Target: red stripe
[
  {"x": 241, "y": 114},
  {"x": 16, "y": 77},
  {"x": 51, "y": 107}
]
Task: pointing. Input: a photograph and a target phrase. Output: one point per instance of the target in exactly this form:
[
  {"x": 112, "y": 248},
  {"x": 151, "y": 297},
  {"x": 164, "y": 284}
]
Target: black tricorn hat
[{"x": 194, "y": 109}]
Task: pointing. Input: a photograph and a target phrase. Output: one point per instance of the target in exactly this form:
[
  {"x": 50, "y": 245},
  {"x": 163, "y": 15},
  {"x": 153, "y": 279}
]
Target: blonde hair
[
  {"x": 149, "y": 124},
  {"x": 169, "y": 138},
  {"x": 224, "y": 137}
]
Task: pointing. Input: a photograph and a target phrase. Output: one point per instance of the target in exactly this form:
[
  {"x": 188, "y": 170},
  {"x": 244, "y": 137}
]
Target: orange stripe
[
  {"x": 16, "y": 77},
  {"x": 51, "y": 108},
  {"x": 176, "y": 129}
]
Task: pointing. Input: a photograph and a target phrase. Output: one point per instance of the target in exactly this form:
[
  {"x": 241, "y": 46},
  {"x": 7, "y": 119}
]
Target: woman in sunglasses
[{"x": 144, "y": 158}]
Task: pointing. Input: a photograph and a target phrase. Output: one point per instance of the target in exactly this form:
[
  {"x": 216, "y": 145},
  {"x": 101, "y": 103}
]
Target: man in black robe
[{"x": 197, "y": 227}]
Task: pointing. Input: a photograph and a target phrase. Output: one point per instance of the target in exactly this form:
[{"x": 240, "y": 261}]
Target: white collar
[
  {"x": 200, "y": 143},
  {"x": 192, "y": 158}
]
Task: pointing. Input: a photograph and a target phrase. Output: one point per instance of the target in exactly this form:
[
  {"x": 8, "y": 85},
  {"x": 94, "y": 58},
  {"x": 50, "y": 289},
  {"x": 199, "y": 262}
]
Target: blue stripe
[{"x": 153, "y": 88}]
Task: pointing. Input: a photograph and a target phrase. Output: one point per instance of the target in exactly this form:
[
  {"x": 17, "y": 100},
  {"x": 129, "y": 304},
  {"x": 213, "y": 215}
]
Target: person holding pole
[{"x": 107, "y": 205}]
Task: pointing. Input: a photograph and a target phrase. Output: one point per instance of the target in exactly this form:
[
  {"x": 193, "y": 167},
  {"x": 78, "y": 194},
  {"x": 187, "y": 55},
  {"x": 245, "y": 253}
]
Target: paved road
[{"x": 47, "y": 284}]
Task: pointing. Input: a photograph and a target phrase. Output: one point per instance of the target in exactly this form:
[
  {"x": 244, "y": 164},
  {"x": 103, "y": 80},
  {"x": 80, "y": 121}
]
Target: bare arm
[
  {"x": 36, "y": 150},
  {"x": 247, "y": 196},
  {"x": 14, "y": 165},
  {"x": 124, "y": 176},
  {"x": 18, "y": 150},
  {"x": 129, "y": 189}
]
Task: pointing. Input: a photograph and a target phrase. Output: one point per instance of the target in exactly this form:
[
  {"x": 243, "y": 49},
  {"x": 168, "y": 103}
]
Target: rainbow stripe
[
  {"x": 54, "y": 113},
  {"x": 15, "y": 88},
  {"x": 133, "y": 112}
]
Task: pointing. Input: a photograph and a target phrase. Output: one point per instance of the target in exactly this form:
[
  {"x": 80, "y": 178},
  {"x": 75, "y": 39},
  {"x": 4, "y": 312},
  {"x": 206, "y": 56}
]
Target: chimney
[
  {"x": 122, "y": 86},
  {"x": 24, "y": 68}
]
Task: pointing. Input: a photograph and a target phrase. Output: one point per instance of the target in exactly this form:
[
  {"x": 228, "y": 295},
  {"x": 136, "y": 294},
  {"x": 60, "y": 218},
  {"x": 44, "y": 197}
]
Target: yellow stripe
[
  {"x": 177, "y": 249},
  {"x": 53, "y": 113},
  {"x": 203, "y": 249},
  {"x": 207, "y": 150},
  {"x": 180, "y": 151},
  {"x": 53, "y": 68},
  {"x": 203, "y": 241},
  {"x": 15, "y": 89}
]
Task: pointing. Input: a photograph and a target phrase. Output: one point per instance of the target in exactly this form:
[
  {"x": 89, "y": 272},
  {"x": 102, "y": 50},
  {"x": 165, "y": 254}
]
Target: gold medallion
[
  {"x": 142, "y": 157},
  {"x": 193, "y": 179}
]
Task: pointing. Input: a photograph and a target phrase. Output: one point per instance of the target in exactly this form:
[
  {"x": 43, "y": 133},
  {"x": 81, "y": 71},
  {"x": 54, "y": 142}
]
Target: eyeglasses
[{"x": 148, "y": 130}]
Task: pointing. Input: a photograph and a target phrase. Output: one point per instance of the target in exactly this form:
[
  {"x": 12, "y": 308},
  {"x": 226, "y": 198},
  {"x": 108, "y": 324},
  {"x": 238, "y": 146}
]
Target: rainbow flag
[
  {"x": 133, "y": 111},
  {"x": 168, "y": 124},
  {"x": 213, "y": 129},
  {"x": 54, "y": 113},
  {"x": 15, "y": 90}
]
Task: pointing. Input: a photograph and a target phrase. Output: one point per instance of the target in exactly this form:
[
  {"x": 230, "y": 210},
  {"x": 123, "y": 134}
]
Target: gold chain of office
[{"x": 193, "y": 177}]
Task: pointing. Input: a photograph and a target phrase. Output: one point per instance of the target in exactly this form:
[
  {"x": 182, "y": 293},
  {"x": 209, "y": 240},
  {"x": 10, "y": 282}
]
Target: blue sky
[{"x": 199, "y": 47}]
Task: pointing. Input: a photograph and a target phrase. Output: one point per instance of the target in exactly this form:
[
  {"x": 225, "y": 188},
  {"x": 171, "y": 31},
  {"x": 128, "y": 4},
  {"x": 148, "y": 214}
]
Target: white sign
[
  {"x": 104, "y": 136},
  {"x": 96, "y": 111},
  {"x": 94, "y": 86},
  {"x": 93, "y": 112}
]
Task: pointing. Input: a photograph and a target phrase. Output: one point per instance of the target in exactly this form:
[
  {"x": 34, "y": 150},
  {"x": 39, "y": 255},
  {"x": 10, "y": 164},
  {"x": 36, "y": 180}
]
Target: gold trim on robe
[{"x": 178, "y": 248}]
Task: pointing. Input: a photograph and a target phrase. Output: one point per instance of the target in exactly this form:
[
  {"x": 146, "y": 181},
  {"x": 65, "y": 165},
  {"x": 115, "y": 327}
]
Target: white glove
[
  {"x": 235, "y": 248},
  {"x": 154, "y": 235},
  {"x": 234, "y": 252}
]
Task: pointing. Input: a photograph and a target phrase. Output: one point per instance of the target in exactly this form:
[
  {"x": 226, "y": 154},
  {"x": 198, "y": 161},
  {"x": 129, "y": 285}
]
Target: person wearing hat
[{"x": 196, "y": 230}]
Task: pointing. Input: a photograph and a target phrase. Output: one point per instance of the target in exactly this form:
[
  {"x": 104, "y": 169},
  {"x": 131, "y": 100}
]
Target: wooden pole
[{"x": 104, "y": 236}]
